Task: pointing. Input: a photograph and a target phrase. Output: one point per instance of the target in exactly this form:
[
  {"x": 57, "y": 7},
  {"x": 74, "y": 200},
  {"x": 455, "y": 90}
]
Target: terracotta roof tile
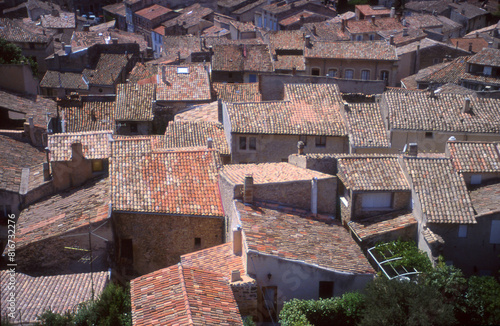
[
  {"x": 418, "y": 111},
  {"x": 367, "y": 50},
  {"x": 60, "y": 293},
  {"x": 190, "y": 16},
  {"x": 180, "y": 295},
  {"x": 477, "y": 43},
  {"x": 66, "y": 80},
  {"x": 423, "y": 21},
  {"x": 205, "y": 112},
  {"x": 326, "y": 31},
  {"x": 143, "y": 73},
  {"x": 134, "y": 102},
  {"x": 116, "y": 8},
  {"x": 62, "y": 20},
  {"x": 269, "y": 173},
  {"x": 35, "y": 106},
  {"x": 367, "y": 26},
  {"x": 152, "y": 12},
  {"x": 448, "y": 73},
  {"x": 95, "y": 145},
  {"x": 295, "y": 235},
  {"x": 307, "y": 110},
  {"x": 195, "y": 134},
  {"x": 248, "y": 7},
  {"x": 89, "y": 116},
  {"x": 242, "y": 57},
  {"x": 188, "y": 177},
  {"x": 64, "y": 212},
  {"x": 183, "y": 83},
  {"x": 368, "y": 10},
  {"x": 474, "y": 156},
  {"x": 487, "y": 56},
  {"x": 136, "y": 145},
  {"x": 219, "y": 259},
  {"x": 365, "y": 125},
  {"x": 81, "y": 39},
  {"x": 442, "y": 192},
  {"x": 450, "y": 88},
  {"x": 241, "y": 92},
  {"x": 486, "y": 199},
  {"x": 16, "y": 31},
  {"x": 371, "y": 172},
  {"x": 468, "y": 10},
  {"x": 290, "y": 62},
  {"x": 375, "y": 226},
  {"x": 108, "y": 69}
]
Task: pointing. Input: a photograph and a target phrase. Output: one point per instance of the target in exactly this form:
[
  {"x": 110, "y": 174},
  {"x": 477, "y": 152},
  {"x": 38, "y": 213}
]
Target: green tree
[
  {"x": 483, "y": 301},
  {"x": 12, "y": 54},
  {"x": 49, "y": 318}
]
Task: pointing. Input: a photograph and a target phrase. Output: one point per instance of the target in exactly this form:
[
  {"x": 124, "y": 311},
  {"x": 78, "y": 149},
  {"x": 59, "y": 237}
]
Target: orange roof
[
  {"x": 152, "y": 12},
  {"x": 219, "y": 259}
]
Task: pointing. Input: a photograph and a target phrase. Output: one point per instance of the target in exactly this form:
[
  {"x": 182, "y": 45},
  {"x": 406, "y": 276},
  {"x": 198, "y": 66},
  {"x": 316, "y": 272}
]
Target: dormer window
[
  {"x": 487, "y": 71},
  {"x": 377, "y": 200}
]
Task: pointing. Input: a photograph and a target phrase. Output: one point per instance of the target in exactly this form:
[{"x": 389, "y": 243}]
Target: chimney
[
  {"x": 300, "y": 147},
  {"x": 343, "y": 25},
  {"x": 114, "y": 40},
  {"x": 391, "y": 40},
  {"x": 308, "y": 40},
  {"x": 314, "y": 30},
  {"x": 412, "y": 149},
  {"x": 63, "y": 124},
  {"x": 32, "y": 130},
  {"x": 347, "y": 108},
  {"x": 477, "y": 34},
  {"x": 467, "y": 107},
  {"x": 235, "y": 276},
  {"x": 220, "y": 114},
  {"x": 314, "y": 196},
  {"x": 301, "y": 19},
  {"x": 237, "y": 241},
  {"x": 86, "y": 27},
  {"x": 470, "y": 46},
  {"x": 210, "y": 142},
  {"x": 76, "y": 151},
  {"x": 393, "y": 12},
  {"x": 373, "y": 19},
  {"x": 248, "y": 189},
  {"x": 67, "y": 49},
  {"x": 55, "y": 13},
  {"x": 405, "y": 31},
  {"x": 490, "y": 45}
]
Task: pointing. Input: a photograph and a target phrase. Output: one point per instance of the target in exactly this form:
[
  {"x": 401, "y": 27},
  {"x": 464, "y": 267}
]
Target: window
[
  {"x": 315, "y": 71},
  {"x": 270, "y": 301},
  {"x": 197, "y": 242},
  {"x": 359, "y": 37},
  {"x": 436, "y": 61},
  {"x": 487, "y": 71},
  {"x": 243, "y": 143},
  {"x": 133, "y": 127},
  {"x": 429, "y": 135},
  {"x": 372, "y": 37},
  {"x": 325, "y": 289},
  {"x": 384, "y": 75},
  {"x": 365, "y": 74},
  {"x": 303, "y": 138},
  {"x": 284, "y": 160},
  {"x": 495, "y": 232},
  {"x": 249, "y": 143},
  {"x": 462, "y": 231},
  {"x": 126, "y": 250},
  {"x": 252, "y": 78},
  {"x": 320, "y": 141},
  {"x": 259, "y": 21},
  {"x": 475, "y": 179},
  {"x": 97, "y": 165},
  {"x": 376, "y": 200},
  {"x": 332, "y": 72},
  {"x": 349, "y": 74}
]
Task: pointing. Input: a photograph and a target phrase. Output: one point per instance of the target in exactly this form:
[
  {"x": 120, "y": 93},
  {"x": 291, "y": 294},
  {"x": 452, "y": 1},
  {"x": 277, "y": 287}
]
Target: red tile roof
[
  {"x": 205, "y": 112},
  {"x": 486, "y": 199},
  {"x": 152, "y": 12},
  {"x": 371, "y": 172},
  {"x": 123, "y": 146},
  {"x": 89, "y": 116},
  {"x": 369, "y": 11},
  {"x": 108, "y": 69},
  {"x": 326, "y": 31},
  {"x": 366, "y": 126},
  {"x": 180, "y": 295},
  {"x": 241, "y": 92},
  {"x": 190, "y": 82},
  {"x": 367, "y": 50},
  {"x": 269, "y": 173},
  {"x": 183, "y": 182},
  {"x": 487, "y": 57},
  {"x": 219, "y": 259},
  {"x": 442, "y": 192},
  {"x": 194, "y": 134},
  {"x": 367, "y": 26},
  {"x": 66, "y": 80},
  {"x": 372, "y": 227},
  {"x": 242, "y": 58},
  {"x": 35, "y": 106},
  {"x": 62, "y": 20},
  {"x": 60, "y": 293},
  {"x": 18, "y": 32},
  {"x": 135, "y": 102},
  {"x": 475, "y": 44},
  {"x": 95, "y": 145},
  {"x": 295, "y": 235},
  {"x": 473, "y": 157}
]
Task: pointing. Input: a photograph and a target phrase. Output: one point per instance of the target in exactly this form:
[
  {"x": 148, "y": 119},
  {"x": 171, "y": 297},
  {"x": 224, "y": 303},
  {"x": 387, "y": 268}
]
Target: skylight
[{"x": 183, "y": 70}]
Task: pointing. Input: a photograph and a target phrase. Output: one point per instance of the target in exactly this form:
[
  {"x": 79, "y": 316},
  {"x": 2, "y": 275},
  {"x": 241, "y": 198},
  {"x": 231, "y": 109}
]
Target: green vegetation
[
  {"x": 439, "y": 296},
  {"x": 111, "y": 309},
  {"x": 412, "y": 257},
  {"x": 12, "y": 54}
]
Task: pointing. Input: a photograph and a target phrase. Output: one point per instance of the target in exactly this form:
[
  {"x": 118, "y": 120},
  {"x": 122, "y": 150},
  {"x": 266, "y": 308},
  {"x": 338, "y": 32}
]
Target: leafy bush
[
  {"x": 412, "y": 257},
  {"x": 483, "y": 301},
  {"x": 12, "y": 54}
]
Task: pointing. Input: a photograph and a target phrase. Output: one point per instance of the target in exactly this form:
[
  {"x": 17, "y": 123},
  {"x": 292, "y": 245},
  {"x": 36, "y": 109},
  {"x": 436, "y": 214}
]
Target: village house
[
  {"x": 470, "y": 16},
  {"x": 368, "y": 11},
  {"x": 180, "y": 214},
  {"x": 247, "y": 13},
  {"x": 192, "y": 20},
  {"x": 483, "y": 70},
  {"x": 118, "y": 12},
  {"x": 287, "y": 50},
  {"x": 261, "y": 132},
  {"x": 135, "y": 105},
  {"x": 147, "y": 19},
  {"x": 58, "y": 84}
]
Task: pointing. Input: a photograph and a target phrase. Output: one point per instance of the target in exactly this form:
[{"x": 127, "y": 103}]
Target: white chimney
[
  {"x": 393, "y": 12},
  {"x": 314, "y": 196}
]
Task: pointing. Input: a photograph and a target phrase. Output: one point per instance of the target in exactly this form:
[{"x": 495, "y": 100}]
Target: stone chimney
[
  {"x": 237, "y": 241},
  {"x": 412, "y": 149},
  {"x": 343, "y": 25},
  {"x": 300, "y": 147},
  {"x": 210, "y": 142},
  {"x": 467, "y": 108},
  {"x": 393, "y": 12},
  {"x": 248, "y": 189},
  {"x": 470, "y": 46},
  {"x": 308, "y": 40},
  {"x": 373, "y": 19},
  {"x": 391, "y": 40},
  {"x": 235, "y": 276}
]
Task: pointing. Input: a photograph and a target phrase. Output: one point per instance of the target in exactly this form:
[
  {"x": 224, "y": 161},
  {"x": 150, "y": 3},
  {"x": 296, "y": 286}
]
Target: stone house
[
  {"x": 247, "y": 13},
  {"x": 135, "y": 104},
  {"x": 58, "y": 84},
  {"x": 368, "y": 60},
  {"x": 110, "y": 70},
  {"x": 192, "y": 20},
  {"x": 118, "y": 13},
  {"x": 430, "y": 119},
  {"x": 261, "y": 132},
  {"x": 483, "y": 70},
  {"x": 375, "y": 198},
  {"x": 147, "y": 19},
  {"x": 469, "y": 15},
  {"x": 287, "y": 50},
  {"x": 174, "y": 193}
]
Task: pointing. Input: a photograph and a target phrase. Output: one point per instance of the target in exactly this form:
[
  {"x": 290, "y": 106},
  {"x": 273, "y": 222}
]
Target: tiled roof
[
  {"x": 108, "y": 69},
  {"x": 480, "y": 78},
  {"x": 66, "y": 80},
  {"x": 450, "y": 73},
  {"x": 143, "y": 73},
  {"x": 190, "y": 16},
  {"x": 95, "y": 145},
  {"x": 180, "y": 295},
  {"x": 241, "y": 92},
  {"x": 401, "y": 38},
  {"x": 486, "y": 57},
  {"x": 64, "y": 212},
  {"x": 280, "y": 7},
  {"x": 248, "y": 7},
  {"x": 309, "y": 110},
  {"x": 474, "y": 156},
  {"x": 243, "y": 26},
  {"x": 326, "y": 31},
  {"x": 367, "y": 50},
  {"x": 124, "y": 146},
  {"x": 194, "y": 134},
  {"x": 295, "y": 235},
  {"x": 431, "y": 237},
  {"x": 16, "y": 156},
  {"x": 35, "y": 106},
  {"x": 477, "y": 43},
  {"x": 367, "y": 26},
  {"x": 17, "y": 32},
  {"x": 374, "y": 226},
  {"x": 410, "y": 82},
  {"x": 369, "y": 11},
  {"x": 456, "y": 89},
  {"x": 468, "y": 10},
  {"x": 219, "y": 259},
  {"x": 116, "y": 8},
  {"x": 439, "y": 6},
  {"x": 62, "y": 20},
  {"x": 152, "y": 12},
  {"x": 185, "y": 44},
  {"x": 134, "y": 102},
  {"x": 205, "y": 112},
  {"x": 89, "y": 116},
  {"x": 183, "y": 182},
  {"x": 176, "y": 85},
  {"x": 442, "y": 191},
  {"x": 418, "y": 111},
  {"x": 371, "y": 172},
  {"x": 486, "y": 199},
  {"x": 286, "y": 40},
  {"x": 229, "y": 3},
  {"x": 423, "y": 21},
  {"x": 300, "y": 17},
  {"x": 289, "y": 62},
  {"x": 60, "y": 293},
  {"x": 269, "y": 173},
  {"x": 365, "y": 125},
  {"x": 242, "y": 57},
  {"x": 428, "y": 43},
  {"x": 216, "y": 31},
  {"x": 81, "y": 39}
]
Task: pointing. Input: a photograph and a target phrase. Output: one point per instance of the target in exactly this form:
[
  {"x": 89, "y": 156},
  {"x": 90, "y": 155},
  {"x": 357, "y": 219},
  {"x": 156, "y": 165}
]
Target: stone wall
[
  {"x": 21, "y": 79},
  {"x": 400, "y": 200},
  {"x": 321, "y": 163},
  {"x": 158, "y": 240},
  {"x": 245, "y": 294}
]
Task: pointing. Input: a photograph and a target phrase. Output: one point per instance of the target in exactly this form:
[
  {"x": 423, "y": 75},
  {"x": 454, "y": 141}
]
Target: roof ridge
[{"x": 185, "y": 294}]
